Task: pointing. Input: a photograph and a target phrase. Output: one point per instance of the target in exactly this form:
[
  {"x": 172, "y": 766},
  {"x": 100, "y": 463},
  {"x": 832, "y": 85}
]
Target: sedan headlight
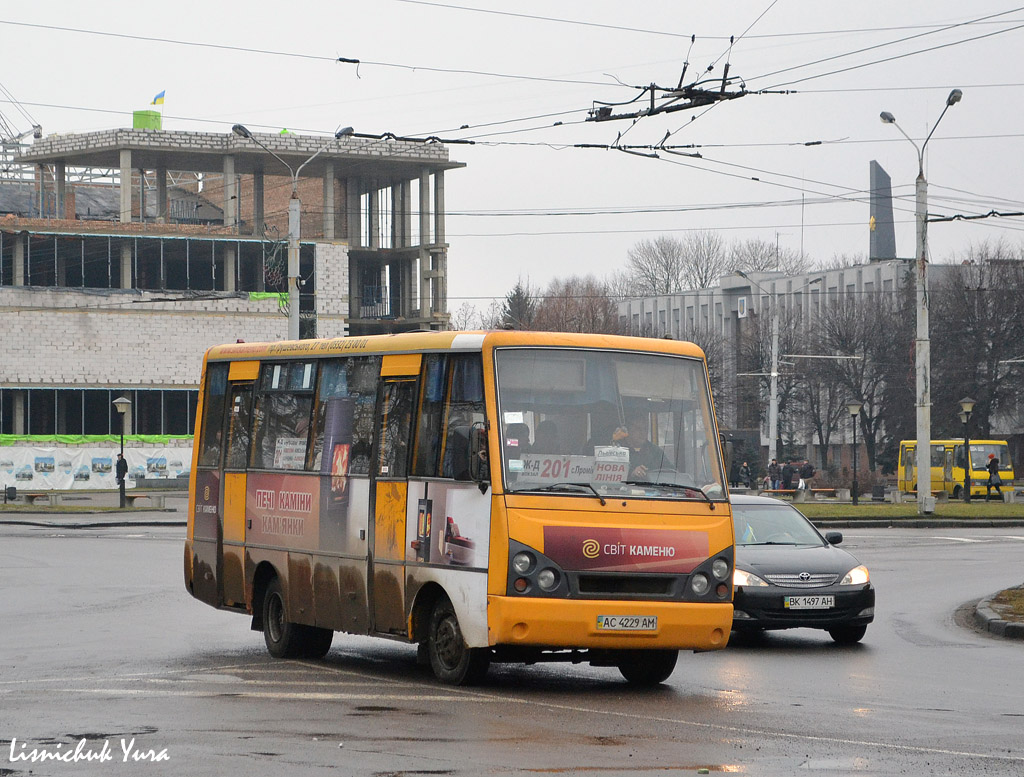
[
  {"x": 856, "y": 576},
  {"x": 739, "y": 577}
]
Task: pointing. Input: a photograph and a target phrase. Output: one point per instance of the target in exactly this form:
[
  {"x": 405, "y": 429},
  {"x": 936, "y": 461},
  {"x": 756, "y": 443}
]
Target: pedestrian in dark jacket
[
  {"x": 745, "y": 475},
  {"x": 774, "y": 473},
  {"x": 788, "y": 470},
  {"x": 994, "y": 481},
  {"x": 806, "y": 473}
]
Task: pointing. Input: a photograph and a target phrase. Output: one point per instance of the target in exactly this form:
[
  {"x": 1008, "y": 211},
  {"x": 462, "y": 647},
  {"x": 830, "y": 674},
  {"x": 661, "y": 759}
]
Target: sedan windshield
[
  {"x": 580, "y": 421},
  {"x": 767, "y": 524}
]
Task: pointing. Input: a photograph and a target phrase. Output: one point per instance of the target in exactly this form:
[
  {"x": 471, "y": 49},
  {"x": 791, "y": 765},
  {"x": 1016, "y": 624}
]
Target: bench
[
  {"x": 158, "y": 500},
  {"x": 31, "y": 497}
]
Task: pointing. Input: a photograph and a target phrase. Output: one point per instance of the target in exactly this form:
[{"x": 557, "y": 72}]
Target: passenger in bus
[
  {"x": 517, "y": 440},
  {"x": 456, "y": 453},
  {"x": 547, "y": 439},
  {"x": 604, "y": 421},
  {"x": 644, "y": 456}
]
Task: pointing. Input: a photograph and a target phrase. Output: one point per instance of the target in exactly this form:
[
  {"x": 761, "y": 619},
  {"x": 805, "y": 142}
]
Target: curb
[
  {"x": 917, "y": 523},
  {"x": 988, "y": 619}
]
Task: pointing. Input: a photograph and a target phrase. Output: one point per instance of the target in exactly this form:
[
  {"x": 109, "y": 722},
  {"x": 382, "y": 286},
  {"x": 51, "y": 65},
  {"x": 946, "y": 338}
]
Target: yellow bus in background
[
  {"x": 490, "y": 496},
  {"x": 948, "y": 464}
]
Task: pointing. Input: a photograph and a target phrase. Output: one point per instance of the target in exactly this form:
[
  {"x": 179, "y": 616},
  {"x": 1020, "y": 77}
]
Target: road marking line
[{"x": 963, "y": 539}]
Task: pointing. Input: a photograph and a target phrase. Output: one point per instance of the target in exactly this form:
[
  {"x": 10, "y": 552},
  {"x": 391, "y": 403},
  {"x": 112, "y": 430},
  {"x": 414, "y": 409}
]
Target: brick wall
[
  {"x": 65, "y": 338},
  {"x": 331, "y": 289}
]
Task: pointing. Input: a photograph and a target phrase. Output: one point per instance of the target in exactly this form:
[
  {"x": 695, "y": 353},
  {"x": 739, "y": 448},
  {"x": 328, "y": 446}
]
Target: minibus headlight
[
  {"x": 856, "y": 576},
  {"x": 547, "y": 579},
  {"x": 700, "y": 583},
  {"x": 522, "y": 562},
  {"x": 720, "y": 568}
]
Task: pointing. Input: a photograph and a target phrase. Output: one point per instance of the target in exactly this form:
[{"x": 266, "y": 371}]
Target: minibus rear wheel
[{"x": 286, "y": 639}]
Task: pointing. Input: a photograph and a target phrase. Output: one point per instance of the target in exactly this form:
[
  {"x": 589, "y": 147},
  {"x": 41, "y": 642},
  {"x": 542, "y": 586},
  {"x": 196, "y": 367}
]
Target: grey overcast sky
[{"x": 531, "y": 205}]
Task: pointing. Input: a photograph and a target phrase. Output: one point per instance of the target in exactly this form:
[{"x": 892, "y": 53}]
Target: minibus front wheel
[
  {"x": 647, "y": 667},
  {"x": 452, "y": 661}
]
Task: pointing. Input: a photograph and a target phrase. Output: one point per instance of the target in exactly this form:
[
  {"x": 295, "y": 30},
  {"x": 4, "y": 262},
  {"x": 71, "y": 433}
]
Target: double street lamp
[
  {"x": 966, "y": 408},
  {"x": 925, "y": 501},
  {"x": 294, "y": 221},
  {"x": 853, "y": 408}
]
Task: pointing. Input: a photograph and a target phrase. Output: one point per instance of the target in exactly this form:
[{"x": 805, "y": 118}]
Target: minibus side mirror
[{"x": 479, "y": 460}]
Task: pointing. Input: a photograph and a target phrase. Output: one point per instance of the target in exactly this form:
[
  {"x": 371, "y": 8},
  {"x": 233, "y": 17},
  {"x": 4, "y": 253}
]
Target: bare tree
[
  {"x": 466, "y": 317},
  {"x": 758, "y": 255},
  {"x": 977, "y": 324},
  {"x": 577, "y": 304},
  {"x": 704, "y": 259},
  {"x": 656, "y": 266}
]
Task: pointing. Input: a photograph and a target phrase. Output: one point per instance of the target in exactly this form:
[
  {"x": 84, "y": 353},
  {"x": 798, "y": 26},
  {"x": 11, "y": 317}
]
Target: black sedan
[{"x": 788, "y": 576}]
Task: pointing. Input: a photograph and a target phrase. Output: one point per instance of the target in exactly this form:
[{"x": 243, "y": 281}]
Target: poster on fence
[{"x": 48, "y": 469}]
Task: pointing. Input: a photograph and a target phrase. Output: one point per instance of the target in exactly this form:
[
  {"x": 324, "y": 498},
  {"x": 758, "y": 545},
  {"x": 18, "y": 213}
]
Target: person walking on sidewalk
[
  {"x": 774, "y": 474},
  {"x": 994, "y": 481}
]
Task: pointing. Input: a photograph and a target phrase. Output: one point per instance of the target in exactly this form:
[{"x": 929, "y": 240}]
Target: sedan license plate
[
  {"x": 627, "y": 622},
  {"x": 808, "y": 602}
]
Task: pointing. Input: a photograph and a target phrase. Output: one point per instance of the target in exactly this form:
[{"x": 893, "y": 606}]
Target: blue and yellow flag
[{"x": 159, "y": 99}]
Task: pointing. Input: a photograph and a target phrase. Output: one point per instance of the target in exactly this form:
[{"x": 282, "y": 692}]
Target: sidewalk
[{"x": 97, "y": 509}]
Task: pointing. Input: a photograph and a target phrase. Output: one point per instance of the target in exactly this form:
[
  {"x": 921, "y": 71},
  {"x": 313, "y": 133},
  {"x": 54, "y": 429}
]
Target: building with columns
[{"x": 129, "y": 252}]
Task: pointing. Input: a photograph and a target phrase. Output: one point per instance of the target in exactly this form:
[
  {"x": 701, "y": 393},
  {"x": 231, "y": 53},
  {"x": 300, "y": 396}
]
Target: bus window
[
  {"x": 431, "y": 416},
  {"x": 238, "y": 427},
  {"x": 345, "y": 399},
  {"x": 282, "y": 415},
  {"x": 395, "y": 427},
  {"x": 465, "y": 407},
  {"x": 213, "y": 415}
]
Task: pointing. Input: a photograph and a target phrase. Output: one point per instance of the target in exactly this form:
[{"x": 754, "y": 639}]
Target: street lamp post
[
  {"x": 773, "y": 387},
  {"x": 966, "y": 408},
  {"x": 122, "y": 405},
  {"x": 925, "y": 501},
  {"x": 854, "y": 409},
  {"x": 294, "y": 221}
]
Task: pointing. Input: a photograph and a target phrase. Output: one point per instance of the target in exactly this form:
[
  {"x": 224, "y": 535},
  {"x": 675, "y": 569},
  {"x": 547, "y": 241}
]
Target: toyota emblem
[{"x": 805, "y": 576}]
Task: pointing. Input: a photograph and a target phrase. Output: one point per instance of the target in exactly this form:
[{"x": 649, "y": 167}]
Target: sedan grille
[{"x": 803, "y": 579}]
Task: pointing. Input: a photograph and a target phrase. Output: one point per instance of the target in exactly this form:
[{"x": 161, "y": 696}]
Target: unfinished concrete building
[{"x": 125, "y": 253}]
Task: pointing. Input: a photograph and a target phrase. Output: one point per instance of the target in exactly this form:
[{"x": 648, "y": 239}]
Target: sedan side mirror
[{"x": 833, "y": 537}]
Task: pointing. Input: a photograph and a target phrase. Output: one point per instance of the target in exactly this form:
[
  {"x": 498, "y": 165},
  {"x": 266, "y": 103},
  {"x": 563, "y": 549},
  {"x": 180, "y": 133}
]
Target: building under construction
[{"x": 125, "y": 253}]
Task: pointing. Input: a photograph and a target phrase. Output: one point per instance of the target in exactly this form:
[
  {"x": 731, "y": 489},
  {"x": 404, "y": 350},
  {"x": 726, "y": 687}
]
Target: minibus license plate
[
  {"x": 809, "y": 602},
  {"x": 627, "y": 622}
]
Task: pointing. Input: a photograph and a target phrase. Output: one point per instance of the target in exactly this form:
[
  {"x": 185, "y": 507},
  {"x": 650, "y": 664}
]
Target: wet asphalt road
[{"x": 99, "y": 641}]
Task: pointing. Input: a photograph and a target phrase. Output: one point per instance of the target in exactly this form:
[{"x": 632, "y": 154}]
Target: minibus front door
[{"x": 390, "y": 489}]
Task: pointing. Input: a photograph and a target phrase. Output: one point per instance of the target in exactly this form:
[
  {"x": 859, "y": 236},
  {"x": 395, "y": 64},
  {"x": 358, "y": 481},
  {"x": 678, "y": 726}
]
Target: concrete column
[
  {"x": 161, "y": 195},
  {"x": 230, "y": 267},
  {"x": 258, "y": 210},
  {"x": 406, "y": 213},
  {"x": 439, "y": 206},
  {"x": 353, "y": 196},
  {"x": 354, "y": 288},
  {"x": 424, "y": 208},
  {"x": 126, "y": 264},
  {"x": 426, "y": 302},
  {"x": 126, "y": 185},
  {"x": 60, "y": 176},
  {"x": 19, "y": 260},
  {"x": 41, "y": 190},
  {"x": 142, "y": 194},
  {"x": 329, "y": 201},
  {"x": 230, "y": 193},
  {"x": 20, "y": 418},
  {"x": 373, "y": 218},
  {"x": 396, "y": 215}
]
